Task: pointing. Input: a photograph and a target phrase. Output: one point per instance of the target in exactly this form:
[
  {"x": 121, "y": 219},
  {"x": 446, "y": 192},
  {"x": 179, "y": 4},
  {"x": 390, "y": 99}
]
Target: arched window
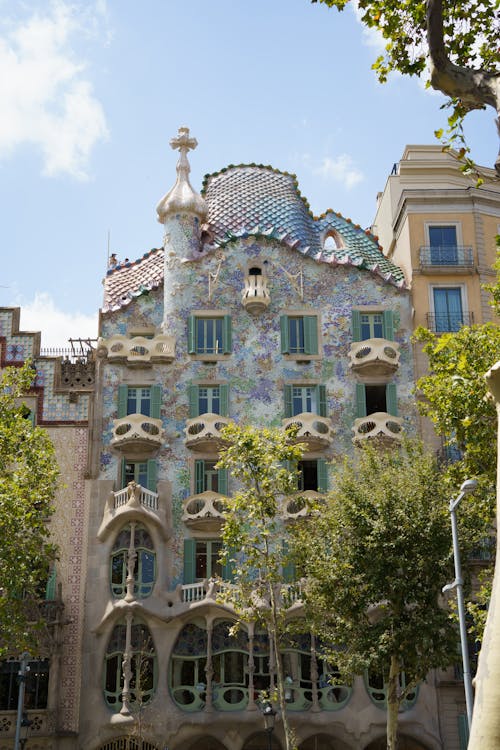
[
  {"x": 332, "y": 240},
  {"x": 143, "y": 666},
  {"x": 230, "y": 664},
  {"x": 187, "y": 667},
  {"x": 133, "y": 540},
  {"x": 377, "y": 690}
]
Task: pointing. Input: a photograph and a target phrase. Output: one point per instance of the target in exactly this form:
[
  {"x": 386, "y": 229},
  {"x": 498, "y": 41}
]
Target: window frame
[
  {"x": 463, "y": 304},
  {"x": 387, "y": 322},
  {"x": 311, "y": 330},
  {"x": 155, "y": 394},
  {"x": 391, "y": 398},
  {"x": 319, "y": 397},
  {"x": 200, "y": 473},
  {"x": 194, "y": 399},
  {"x": 193, "y": 346}
]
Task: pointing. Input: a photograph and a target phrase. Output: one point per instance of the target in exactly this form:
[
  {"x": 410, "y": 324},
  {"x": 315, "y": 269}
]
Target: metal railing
[
  {"x": 449, "y": 322},
  {"x": 446, "y": 255}
]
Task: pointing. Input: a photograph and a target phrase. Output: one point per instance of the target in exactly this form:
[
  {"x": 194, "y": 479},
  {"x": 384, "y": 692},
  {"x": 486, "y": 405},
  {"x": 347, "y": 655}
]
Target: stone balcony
[
  {"x": 207, "y": 591},
  {"x": 204, "y": 512},
  {"x": 134, "y": 502},
  {"x": 138, "y": 350},
  {"x": 301, "y": 505},
  {"x": 203, "y": 433},
  {"x": 255, "y": 297},
  {"x": 137, "y": 436},
  {"x": 312, "y": 430},
  {"x": 380, "y": 425},
  {"x": 374, "y": 357}
]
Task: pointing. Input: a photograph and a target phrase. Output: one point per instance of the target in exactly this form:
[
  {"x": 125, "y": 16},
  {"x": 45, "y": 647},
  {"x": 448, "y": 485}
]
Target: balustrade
[{"x": 374, "y": 357}]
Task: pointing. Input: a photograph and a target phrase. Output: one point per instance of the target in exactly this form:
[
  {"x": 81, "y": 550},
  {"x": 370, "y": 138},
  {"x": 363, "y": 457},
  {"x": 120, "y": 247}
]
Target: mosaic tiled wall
[{"x": 256, "y": 370}]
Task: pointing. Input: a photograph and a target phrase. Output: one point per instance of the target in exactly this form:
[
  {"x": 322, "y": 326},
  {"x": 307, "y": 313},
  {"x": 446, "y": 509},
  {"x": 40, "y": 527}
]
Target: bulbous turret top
[{"x": 182, "y": 198}]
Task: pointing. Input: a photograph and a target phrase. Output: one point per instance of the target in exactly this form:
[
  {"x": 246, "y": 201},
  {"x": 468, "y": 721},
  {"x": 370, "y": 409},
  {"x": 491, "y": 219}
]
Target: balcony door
[
  {"x": 443, "y": 244},
  {"x": 448, "y": 310}
]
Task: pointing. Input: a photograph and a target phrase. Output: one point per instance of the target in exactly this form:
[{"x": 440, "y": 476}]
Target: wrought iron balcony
[
  {"x": 313, "y": 430},
  {"x": 138, "y": 350},
  {"x": 137, "y": 435},
  {"x": 255, "y": 297},
  {"x": 449, "y": 322},
  {"x": 374, "y": 357},
  {"x": 379, "y": 425},
  {"x": 204, "y": 511},
  {"x": 203, "y": 433},
  {"x": 456, "y": 256}
]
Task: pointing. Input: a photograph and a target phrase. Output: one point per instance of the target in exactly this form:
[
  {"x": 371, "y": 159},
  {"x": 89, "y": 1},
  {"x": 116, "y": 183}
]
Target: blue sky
[{"x": 92, "y": 91}]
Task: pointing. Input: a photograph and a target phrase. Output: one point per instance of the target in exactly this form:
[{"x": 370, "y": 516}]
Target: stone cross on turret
[{"x": 182, "y": 199}]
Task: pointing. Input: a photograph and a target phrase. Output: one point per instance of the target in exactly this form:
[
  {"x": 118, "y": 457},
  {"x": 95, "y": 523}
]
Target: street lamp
[
  {"x": 269, "y": 715},
  {"x": 25, "y": 724},
  {"x": 21, "y": 676},
  {"x": 467, "y": 487}
]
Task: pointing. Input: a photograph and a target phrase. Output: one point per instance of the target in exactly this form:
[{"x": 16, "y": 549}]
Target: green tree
[
  {"x": 28, "y": 474},
  {"x": 259, "y": 459},
  {"x": 457, "y": 42},
  {"x": 375, "y": 560}
]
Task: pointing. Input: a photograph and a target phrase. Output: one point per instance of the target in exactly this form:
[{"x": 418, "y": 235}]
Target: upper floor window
[
  {"x": 299, "y": 334},
  {"x": 443, "y": 244},
  {"x": 133, "y": 540},
  {"x": 305, "y": 398},
  {"x": 208, "y": 399},
  {"x": 313, "y": 475},
  {"x": 208, "y": 478},
  {"x": 209, "y": 334},
  {"x": 201, "y": 560},
  {"x": 371, "y": 399},
  {"x": 140, "y": 472},
  {"x": 139, "y": 400},
  {"x": 448, "y": 309},
  {"x": 372, "y": 325},
  {"x": 36, "y": 686}
]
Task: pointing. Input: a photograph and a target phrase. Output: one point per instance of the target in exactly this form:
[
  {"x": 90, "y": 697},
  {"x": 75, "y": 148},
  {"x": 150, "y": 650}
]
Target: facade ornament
[
  {"x": 182, "y": 198},
  {"x": 296, "y": 280}
]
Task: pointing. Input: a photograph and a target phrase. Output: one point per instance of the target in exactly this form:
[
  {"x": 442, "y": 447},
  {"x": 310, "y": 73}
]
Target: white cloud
[
  {"x": 56, "y": 326},
  {"x": 45, "y": 98},
  {"x": 372, "y": 37},
  {"x": 340, "y": 169}
]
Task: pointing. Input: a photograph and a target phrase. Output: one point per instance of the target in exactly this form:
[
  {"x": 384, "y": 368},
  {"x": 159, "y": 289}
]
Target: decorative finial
[{"x": 182, "y": 198}]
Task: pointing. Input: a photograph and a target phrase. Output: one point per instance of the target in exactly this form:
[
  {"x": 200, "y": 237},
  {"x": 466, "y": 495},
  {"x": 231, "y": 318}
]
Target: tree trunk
[
  {"x": 289, "y": 742},
  {"x": 485, "y": 730},
  {"x": 393, "y": 704},
  {"x": 475, "y": 88}
]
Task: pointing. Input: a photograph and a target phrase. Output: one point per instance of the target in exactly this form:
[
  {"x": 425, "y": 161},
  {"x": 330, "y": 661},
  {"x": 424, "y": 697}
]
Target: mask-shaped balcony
[
  {"x": 204, "y": 512},
  {"x": 137, "y": 435},
  {"x": 255, "y": 297},
  {"x": 301, "y": 505},
  {"x": 138, "y": 350},
  {"x": 311, "y": 429},
  {"x": 380, "y": 425},
  {"x": 203, "y": 433},
  {"x": 374, "y": 357}
]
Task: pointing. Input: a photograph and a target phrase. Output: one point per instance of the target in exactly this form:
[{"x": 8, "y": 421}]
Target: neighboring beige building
[{"x": 435, "y": 224}]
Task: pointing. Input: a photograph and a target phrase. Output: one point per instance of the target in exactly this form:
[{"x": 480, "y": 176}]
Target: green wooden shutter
[
  {"x": 227, "y": 338},
  {"x": 285, "y": 334},
  {"x": 152, "y": 474},
  {"x": 463, "y": 731},
  {"x": 321, "y": 399},
  {"x": 360, "y": 400},
  {"x": 391, "y": 399},
  {"x": 189, "y": 560},
  {"x": 199, "y": 476},
  {"x": 322, "y": 475},
  {"x": 155, "y": 401},
  {"x": 194, "y": 407},
  {"x": 222, "y": 481},
  {"x": 310, "y": 334},
  {"x": 356, "y": 325},
  {"x": 122, "y": 401},
  {"x": 288, "y": 402},
  {"x": 389, "y": 325},
  {"x": 224, "y": 400},
  {"x": 50, "y": 589},
  {"x": 191, "y": 334},
  {"x": 288, "y": 570},
  {"x": 228, "y": 568}
]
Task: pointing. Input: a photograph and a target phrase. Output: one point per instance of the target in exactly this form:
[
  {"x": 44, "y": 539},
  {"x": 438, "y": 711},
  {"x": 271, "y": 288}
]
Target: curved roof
[{"x": 256, "y": 200}]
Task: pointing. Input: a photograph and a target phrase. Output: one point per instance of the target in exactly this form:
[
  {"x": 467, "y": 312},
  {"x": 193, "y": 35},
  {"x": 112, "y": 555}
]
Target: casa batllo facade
[{"x": 255, "y": 312}]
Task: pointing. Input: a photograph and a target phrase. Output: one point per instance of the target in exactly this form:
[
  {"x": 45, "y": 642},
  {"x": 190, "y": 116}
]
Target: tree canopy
[
  {"x": 456, "y": 42},
  {"x": 375, "y": 560},
  {"x": 28, "y": 474}
]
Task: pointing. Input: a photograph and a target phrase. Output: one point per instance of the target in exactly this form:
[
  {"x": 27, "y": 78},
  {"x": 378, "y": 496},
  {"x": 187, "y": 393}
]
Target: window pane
[
  {"x": 372, "y": 326},
  {"x": 209, "y": 335},
  {"x": 448, "y": 309},
  {"x": 209, "y": 399},
  {"x": 201, "y": 560},
  {"x": 296, "y": 334},
  {"x": 303, "y": 399}
]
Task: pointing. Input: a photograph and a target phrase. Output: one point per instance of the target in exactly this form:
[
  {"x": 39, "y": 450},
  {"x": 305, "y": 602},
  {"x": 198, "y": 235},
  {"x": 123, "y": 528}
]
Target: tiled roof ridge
[
  {"x": 268, "y": 168},
  {"x": 130, "y": 263}
]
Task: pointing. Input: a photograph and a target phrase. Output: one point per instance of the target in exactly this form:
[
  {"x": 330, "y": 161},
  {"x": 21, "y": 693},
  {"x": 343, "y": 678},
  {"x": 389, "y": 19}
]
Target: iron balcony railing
[
  {"x": 455, "y": 255},
  {"x": 449, "y": 322}
]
